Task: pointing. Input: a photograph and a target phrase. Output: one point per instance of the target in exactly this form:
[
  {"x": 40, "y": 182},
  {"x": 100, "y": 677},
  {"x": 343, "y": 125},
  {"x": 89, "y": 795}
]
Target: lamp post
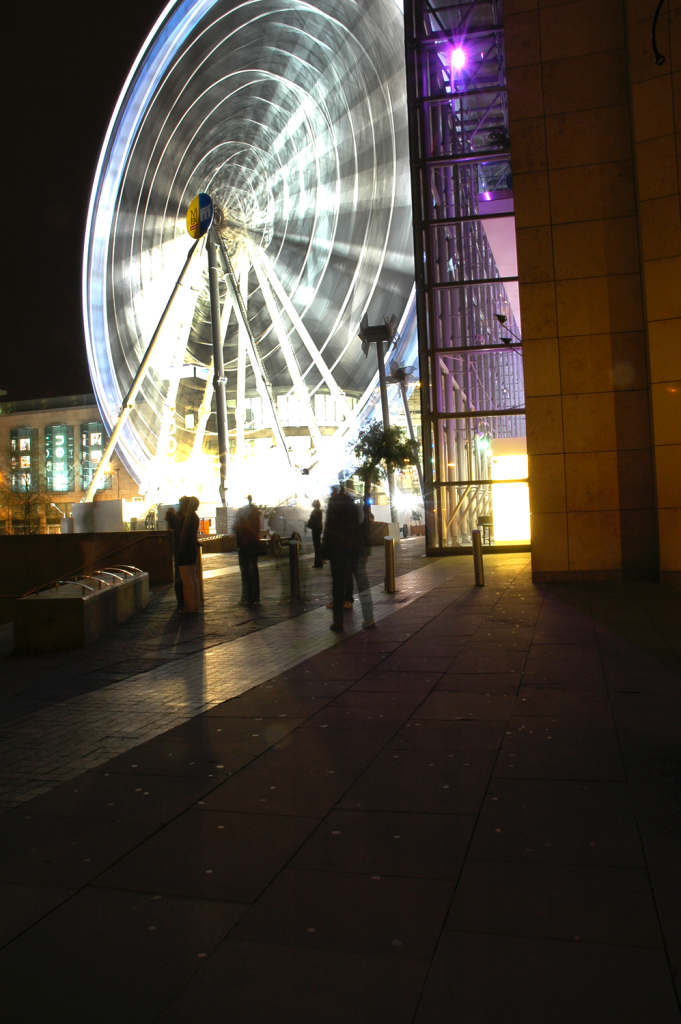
[
  {"x": 403, "y": 375},
  {"x": 377, "y": 336}
]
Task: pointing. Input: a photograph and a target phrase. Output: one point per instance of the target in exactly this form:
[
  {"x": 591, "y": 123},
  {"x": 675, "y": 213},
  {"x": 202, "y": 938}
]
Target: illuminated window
[
  {"x": 59, "y": 458},
  {"x": 92, "y": 441},
  {"x": 24, "y": 440}
]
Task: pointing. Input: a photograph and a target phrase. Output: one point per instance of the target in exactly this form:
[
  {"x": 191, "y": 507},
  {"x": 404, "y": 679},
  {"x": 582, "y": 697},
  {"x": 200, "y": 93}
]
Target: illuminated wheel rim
[{"x": 292, "y": 116}]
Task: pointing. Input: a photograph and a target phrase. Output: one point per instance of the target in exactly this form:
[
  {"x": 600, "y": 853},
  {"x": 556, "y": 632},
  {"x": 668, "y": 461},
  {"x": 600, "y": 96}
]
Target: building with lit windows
[{"x": 49, "y": 450}]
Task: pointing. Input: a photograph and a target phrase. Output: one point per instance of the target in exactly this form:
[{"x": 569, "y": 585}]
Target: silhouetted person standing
[
  {"x": 175, "y": 520},
  {"x": 345, "y": 547},
  {"x": 187, "y": 555},
  {"x": 247, "y": 528},
  {"x": 315, "y": 524}
]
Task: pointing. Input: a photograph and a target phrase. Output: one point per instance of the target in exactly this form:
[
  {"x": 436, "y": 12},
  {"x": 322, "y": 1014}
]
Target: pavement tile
[
  {"x": 425, "y": 662},
  {"x": 302, "y": 985},
  {"x": 155, "y": 798},
  {"x": 560, "y": 747},
  {"x": 108, "y": 957},
  {"x": 275, "y": 792},
  {"x": 23, "y": 905},
  {"x": 259, "y": 702},
  {"x": 452, "y": 624},
  {"x": 163, "y": 756},
  {"x": 217, "y": 855},
  {"x": 377, "y": 699},
  {"x": 341, "y": 750},
  {"x": 496, "y": 661},
  {"x": 556, "y": 901},
  {"x": 504, "y": 683},
  {"x": 429, "y": 781},
  {"x": 539, "y": 980},
  {"x": 479, "y": 706},
  {"x": 284, "y": 687},
  {"x": 565, "y": 675},
  {"x": 63, "y": 852},
  {"x": 453, "y": 736},
  {"x": 549, "y": 700},
  {"x": 399, "y": 682},
  {"x": 222, "y": 734},
  {"x": 558, "y": 822},
  {"x": 380, "y": 843},
  {"x": 333, "y": 717},
  {"x": 350, "y": 913}
]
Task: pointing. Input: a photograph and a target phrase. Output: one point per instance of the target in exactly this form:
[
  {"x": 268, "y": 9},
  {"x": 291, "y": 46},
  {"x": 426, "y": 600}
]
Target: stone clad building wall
[{"x": 596, "y": 188}]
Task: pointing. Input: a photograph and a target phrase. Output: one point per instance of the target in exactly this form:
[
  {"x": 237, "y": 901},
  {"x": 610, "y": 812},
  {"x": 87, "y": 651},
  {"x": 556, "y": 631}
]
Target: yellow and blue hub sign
[{"x": 200, "y": 215}]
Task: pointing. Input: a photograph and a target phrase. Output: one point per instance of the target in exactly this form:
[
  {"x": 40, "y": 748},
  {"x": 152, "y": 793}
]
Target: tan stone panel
[
  {"x": 528, "y": 145},
  {"x": 583, "y": 83},
  {"x": 656, "y": 168},
  {"x": 596, "y": 248},
  {"x": 588, "y": 137},
  {"x": 547, "y": 483},
  {"x": 525, "y": 92},
  {"x": 663, "y": 288},
  {"x": 666, "y": 400},
  {"x": 538, "y": 309},
  {"x": 669, "y": 527},
  {"x": 549, "y": 542},
  {"x": 635, "y": 474},
  {"x": 632, "y": 419},
  {"x": 592, "y": 482},
  {"x": 541, "y": 366},
  {"x": 589, "y": 422},
  {"x": 629, "y": 370},
  {"x": 586, "y": 363},
  {"x": 521, "y": 39},
  {"x": 676, "y": 98},
  {"x": 544, "y": 421},
  {"x": 587, "y": 26},
  {"x": 668, "y": 475},
  {"x": 660, "y": 221},
  {"x": 653, "y": 115},
  {"x": 599, "y": 305},
  {"x": 535, "y": 254},
  {"x": 638, "y": 539},
  {"x": 531, "y": 199},
  {"x": 664, "y": 346},
  {"x": 594, "y": 192},
  {"x": 594, "y": 541}
]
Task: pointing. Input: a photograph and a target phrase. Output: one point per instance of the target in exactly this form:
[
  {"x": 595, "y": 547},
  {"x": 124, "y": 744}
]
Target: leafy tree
[{"x": 380, "y": 451}]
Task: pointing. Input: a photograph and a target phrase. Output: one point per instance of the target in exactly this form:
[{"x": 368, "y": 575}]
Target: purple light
[{"x": 458, "y": 58}]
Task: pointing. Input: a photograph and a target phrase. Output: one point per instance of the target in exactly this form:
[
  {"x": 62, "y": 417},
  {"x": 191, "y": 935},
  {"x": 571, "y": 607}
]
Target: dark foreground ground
[{"x": 469, "y": 815}]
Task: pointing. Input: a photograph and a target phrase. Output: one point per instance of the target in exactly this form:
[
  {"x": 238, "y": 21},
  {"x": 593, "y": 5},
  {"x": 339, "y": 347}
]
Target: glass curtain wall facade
[{"x": 466, "y": 275}]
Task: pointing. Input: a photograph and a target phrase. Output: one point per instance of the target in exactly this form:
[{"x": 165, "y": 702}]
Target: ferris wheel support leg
[
  {"x": 219, "y": 366},
  {"x": 129, "y": 400}
]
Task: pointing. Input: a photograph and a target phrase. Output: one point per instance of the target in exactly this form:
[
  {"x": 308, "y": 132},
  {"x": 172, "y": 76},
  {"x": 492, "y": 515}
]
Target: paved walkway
[{"x": 469, "y": 815}]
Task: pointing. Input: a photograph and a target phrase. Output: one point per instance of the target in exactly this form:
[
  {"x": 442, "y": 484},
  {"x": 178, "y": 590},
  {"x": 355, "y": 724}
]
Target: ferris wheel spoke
[{"x": 242, "y": 269}]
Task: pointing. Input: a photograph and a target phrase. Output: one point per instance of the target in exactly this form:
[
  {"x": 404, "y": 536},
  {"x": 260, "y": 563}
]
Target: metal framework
[{"x": 464, "y": 246}]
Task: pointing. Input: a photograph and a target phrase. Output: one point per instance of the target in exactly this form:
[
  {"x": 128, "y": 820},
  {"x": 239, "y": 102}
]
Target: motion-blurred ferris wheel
[{"x": 292, "y": 116}]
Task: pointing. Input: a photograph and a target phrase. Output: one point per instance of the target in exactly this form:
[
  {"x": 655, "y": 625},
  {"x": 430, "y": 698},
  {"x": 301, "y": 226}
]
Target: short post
[
  {"x": 477, "y": 559},
  {"x": 389, "y": 546},
  {"x": 294, "y": 568}
]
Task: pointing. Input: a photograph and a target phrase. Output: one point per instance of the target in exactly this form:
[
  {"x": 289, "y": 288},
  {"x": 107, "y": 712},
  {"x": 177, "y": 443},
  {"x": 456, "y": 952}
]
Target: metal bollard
[
  {"x": 477, "y": 559},
  {"x": 389, "y": 545},
  {"x": 294, "y": 568}
]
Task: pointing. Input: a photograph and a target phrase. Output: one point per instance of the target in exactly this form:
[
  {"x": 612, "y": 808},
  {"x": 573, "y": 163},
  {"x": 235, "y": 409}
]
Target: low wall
[{"x": 35, "y": 560}]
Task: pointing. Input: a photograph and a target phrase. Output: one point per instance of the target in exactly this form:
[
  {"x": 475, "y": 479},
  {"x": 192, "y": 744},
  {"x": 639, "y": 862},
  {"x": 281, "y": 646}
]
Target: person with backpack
[{"x": 247, "y": 529}]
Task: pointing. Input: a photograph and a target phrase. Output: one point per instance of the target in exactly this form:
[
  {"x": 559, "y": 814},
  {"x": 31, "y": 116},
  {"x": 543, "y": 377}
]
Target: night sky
[{"x": 65, "y": 63}]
